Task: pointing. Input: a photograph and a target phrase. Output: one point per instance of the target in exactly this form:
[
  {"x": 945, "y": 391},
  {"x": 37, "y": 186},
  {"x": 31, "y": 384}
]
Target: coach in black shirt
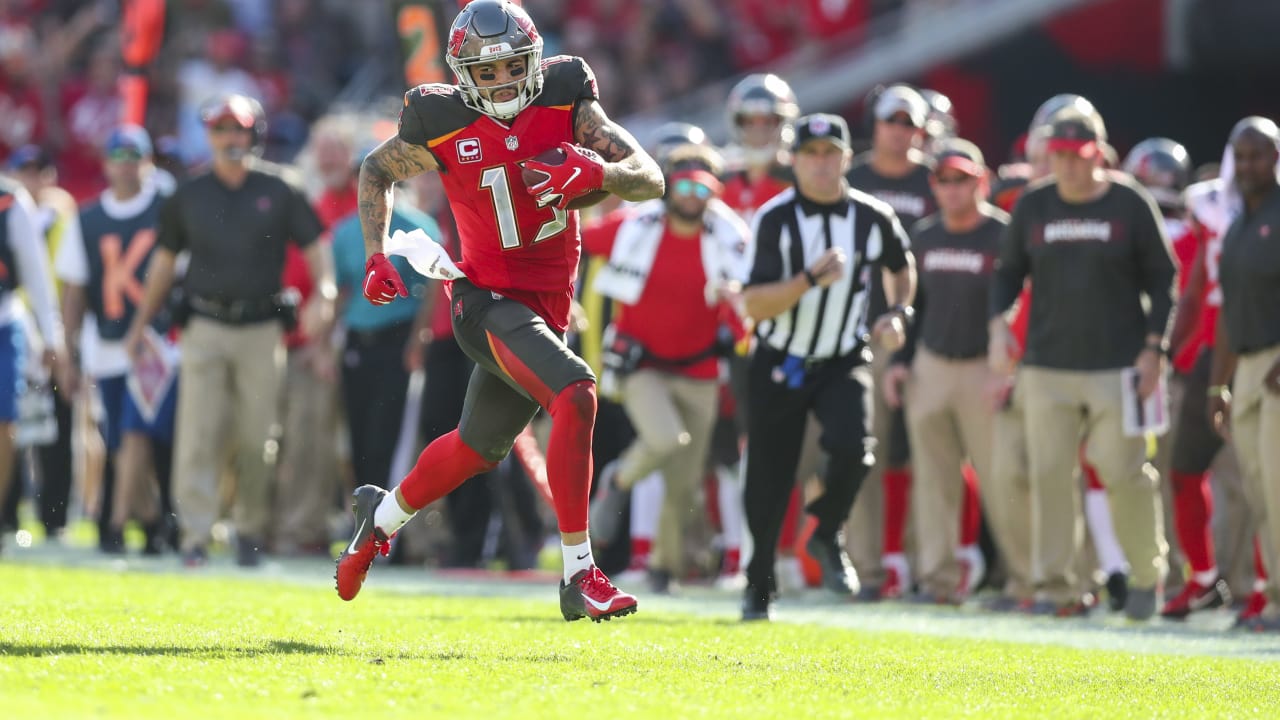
[
  {"x": 1248, "y": 341},
  {"x": 1093, "y": 244},
  {"x": 944, "y": 370},
  {"x": 895, "y": 171},
  {"x": 234, "y": 221},
  {"x": 814, "y": 248}
]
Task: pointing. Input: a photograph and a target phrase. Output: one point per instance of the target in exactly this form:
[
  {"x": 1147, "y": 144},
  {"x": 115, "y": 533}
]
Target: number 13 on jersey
[{"x": 494, "y": 180}]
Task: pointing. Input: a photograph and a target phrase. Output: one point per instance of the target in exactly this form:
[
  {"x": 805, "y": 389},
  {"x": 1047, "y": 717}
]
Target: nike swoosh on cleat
[
  {"x": 351, "y": 549},
  {"x": 596, "y": 605}
]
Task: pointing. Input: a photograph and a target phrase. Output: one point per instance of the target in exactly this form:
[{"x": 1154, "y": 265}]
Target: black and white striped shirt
[{"x": 789, "y": 233}]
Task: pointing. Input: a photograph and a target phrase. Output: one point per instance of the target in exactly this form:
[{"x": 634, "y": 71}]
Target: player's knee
[
  {"x": 485, "y": 453},
  {"x": 578, "y": 400}
]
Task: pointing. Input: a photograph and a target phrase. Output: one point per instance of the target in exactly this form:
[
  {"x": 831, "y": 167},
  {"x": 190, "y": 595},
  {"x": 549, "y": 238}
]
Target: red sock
[
  {"x": 1091, "y": 474},
  {"x": 444, "y": 465},
  {"x": 790, "y": 524},
  {"x": 1192, "y": 508},
  {"x": 711, "y": 491},
  {"x": 970, "y": 511},
  {"x": 573, "y": 421},
  {"x": 1259, "y": 567},
  {"x": 732, "y": 561},
  {"x": 640, "y": 549},
  {"x": 897, "y": 495}
]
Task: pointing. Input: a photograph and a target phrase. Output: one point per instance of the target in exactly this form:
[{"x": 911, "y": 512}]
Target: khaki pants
[
  {"x": 306, "y": 477},
  {"x": 1255, "y": 428},
  {"x": 230, "y": 387},
  {"x": 949, "y": 418},
  {"x": 864, "y": 533},
  {"x": 1062, "y": 405},
  {"x": 673, "y": 417},
  {"x": 1006, "y": 496}
]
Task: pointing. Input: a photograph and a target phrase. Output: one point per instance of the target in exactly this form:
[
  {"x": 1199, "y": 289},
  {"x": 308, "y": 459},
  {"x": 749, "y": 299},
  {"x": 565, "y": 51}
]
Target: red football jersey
[
  {"x": 745, "y": 197},
  {"x": 509, "y": 245}
]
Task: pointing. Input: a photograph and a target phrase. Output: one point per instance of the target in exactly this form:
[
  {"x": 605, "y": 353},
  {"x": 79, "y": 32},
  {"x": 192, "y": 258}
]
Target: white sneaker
[
  {"x": 972, "y": 567},
  {"x": 632, "y": 577},
  {"x": 732, "y": 581},
  {"x": 789, "y": 575},
  {"x": 897, "y": 576}
]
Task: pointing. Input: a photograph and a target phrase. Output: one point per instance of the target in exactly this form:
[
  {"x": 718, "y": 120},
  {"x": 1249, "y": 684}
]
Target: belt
[
  {"x": 959, "y": 357},
  {"x": 814, "y": 363},
  {"x": 235, "y": 312}
]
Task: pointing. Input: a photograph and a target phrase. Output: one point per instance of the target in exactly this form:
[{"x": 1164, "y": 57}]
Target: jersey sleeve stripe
[{"x": 436, "y": 141}]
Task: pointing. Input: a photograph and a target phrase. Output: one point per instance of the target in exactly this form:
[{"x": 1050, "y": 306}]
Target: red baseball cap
[
  {"x": 1074, "y": 134},
  {"x": 960, "y": 155},
  {"x": 244, "y": 110}
]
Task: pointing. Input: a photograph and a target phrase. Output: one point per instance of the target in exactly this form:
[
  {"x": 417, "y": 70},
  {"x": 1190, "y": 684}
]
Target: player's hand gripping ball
[{"x": 567, "y": 177}]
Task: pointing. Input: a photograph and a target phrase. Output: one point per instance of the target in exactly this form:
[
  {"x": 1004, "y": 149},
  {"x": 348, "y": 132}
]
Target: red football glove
[
  {"x": 581, "y": 172},
  {"x": 382, "y": 281}
]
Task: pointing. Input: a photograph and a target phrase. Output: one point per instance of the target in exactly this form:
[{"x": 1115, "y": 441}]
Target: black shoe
[
  {"x": 157, "y": 539},
  {"x": 1117, "y": 591},
  {"x": 660, "y": 582},
  {"x": 755, "y": 604},
  {"x": 111, "y": 541},
  {"x": 837, "y": 571},
  {"x": 1068, "y": 609},
  {"x": 195, "y": 557},
  {"x": 248, "y": 552}
]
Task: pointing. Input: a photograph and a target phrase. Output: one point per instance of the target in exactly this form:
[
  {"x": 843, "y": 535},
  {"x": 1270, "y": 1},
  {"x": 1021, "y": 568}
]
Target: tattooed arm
[
  {"x": 389, "y": 163},
  {"x": 629, "y": 172}
]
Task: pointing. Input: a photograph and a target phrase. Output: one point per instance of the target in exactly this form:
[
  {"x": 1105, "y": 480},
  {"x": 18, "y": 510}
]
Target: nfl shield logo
[{"x": 513, "y": 142}]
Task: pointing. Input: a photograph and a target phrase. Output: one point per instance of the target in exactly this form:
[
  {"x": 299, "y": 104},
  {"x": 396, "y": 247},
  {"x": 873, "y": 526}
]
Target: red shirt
[
  {"x": 672, "y": 319},
  {"x": 89, "y": 118},
  {"x": 23, "y": 116},
  {"x": 745, "y": 197},
  {"x": 1186, "y": 243},
  {"x": 509, "y": 245}
]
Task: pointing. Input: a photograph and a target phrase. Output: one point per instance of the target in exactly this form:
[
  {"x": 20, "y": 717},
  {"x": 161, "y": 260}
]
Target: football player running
[{"x": 520, "y": 249}]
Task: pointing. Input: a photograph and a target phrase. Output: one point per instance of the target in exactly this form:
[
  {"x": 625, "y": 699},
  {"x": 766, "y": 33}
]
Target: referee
[{"x": 813, "y": 251}]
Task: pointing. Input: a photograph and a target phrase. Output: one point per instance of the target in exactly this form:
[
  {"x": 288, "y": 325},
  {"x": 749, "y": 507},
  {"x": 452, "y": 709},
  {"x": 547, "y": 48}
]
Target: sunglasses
[
  {"x": 685, "y": 186},
  {"x": 228, "y": 128},
  {"x": 124, "y": 155},
  {"x": 899, "y": 120},
  {"x": 953, "y": 179}
]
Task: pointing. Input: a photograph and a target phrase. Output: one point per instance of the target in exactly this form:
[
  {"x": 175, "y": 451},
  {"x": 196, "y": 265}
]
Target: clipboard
[{"x": 1143, "y": 417}]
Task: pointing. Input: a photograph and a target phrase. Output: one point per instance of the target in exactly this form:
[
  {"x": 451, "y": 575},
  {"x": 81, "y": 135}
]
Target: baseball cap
[
  {"x": 237, "y": 107},
  {"x": 901, "y": 98},
  {"x": 821, "y": 126},
  {"x": 960, "y": 155},
  {"x": 128, "y": 137},
  {"x": 1076, "y": 133},
  {"x": 27, "y": 156}
]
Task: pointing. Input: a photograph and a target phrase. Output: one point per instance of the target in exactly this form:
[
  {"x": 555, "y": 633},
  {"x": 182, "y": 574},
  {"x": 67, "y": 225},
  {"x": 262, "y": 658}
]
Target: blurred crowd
[
  {"x": 61, "y": 140},
  {"x": 60, "y": 61}
]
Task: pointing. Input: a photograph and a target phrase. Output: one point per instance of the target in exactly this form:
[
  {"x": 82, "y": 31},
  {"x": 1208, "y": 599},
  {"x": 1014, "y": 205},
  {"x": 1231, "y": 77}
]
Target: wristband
[
  {"x": 1220, "y": 391},
  {"x": 1160, "y": 348},
  {"x": 809, "y": 276},
  {"x": 906, "y": 311}
]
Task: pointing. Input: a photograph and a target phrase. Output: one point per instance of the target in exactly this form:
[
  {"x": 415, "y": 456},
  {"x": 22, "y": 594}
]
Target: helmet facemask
[
  {"x": 487, "y": 33},
  {"x": 762, "y": 96}
]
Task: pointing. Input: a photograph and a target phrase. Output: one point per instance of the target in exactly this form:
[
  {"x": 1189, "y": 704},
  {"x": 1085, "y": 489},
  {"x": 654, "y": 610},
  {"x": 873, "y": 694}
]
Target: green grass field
[{"x": 144, "y": 640}]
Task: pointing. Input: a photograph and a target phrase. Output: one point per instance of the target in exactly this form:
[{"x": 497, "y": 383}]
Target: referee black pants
[{"x": 838, "y": 393}]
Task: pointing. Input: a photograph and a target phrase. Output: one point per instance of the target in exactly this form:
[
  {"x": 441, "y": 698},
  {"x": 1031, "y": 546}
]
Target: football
[{"x": 556, "y": 156}]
